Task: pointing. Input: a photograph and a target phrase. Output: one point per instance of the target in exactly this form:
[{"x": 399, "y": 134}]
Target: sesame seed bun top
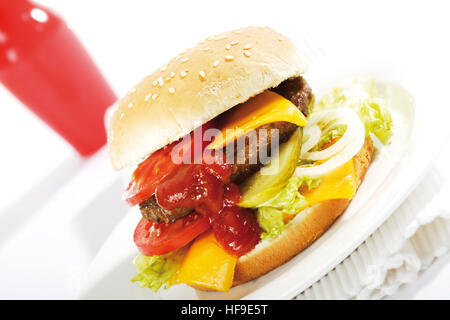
[{"x": 196, "y": 86}]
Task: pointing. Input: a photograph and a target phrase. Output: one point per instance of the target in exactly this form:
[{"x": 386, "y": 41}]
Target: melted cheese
[
  {"x": 266, "y": 107},
  {"x": 207, "y": 265},
  {"x": 338, "y": 184}
]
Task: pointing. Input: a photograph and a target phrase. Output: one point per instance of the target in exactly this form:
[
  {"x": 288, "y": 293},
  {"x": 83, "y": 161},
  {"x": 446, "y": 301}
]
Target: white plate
[{"x": 390, "y": 178}]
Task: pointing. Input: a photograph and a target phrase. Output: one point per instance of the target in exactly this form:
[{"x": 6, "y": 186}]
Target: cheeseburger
[{"x": 237, "y": 169}]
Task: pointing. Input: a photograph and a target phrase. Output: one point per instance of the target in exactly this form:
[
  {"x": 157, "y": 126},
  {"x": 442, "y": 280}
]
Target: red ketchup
[
  {"x": 206, "y": 188},
  {"x": 46, "y": 67}
]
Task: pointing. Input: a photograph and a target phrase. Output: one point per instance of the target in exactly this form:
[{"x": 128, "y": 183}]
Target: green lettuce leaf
[
  {"x": 156, "y": 271},
  {"x": 271, "y": 221},
  {"x": 289, "y": 200},
  {"x": 361, "y": 95}
]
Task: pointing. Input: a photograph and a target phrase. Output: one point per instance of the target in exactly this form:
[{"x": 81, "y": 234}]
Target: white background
[{"x": 50, "y": 225}]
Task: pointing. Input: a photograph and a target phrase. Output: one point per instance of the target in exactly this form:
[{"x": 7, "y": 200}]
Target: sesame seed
[
  {"x": 228, "y": 47},
  {"x": 122, "y": 115},
  {"x": 172, "y": 74},
  {"x": 148, "y": 96},
  {"x": 164, "y": 68},
  {"x": 183, "y": 74},
  {"x": 202, "y": 75},
  {"x": 171, "y": 90},
  {"x": 184, "y": 60},
  {"x": 216, "y": 63},
  {"x": 229, "y": 58},
  {"x": 233, "y": 43},
  {"x": 130, "y": 105},
  {"x": 207, "y": 49},
  {"x": 160, "y": 81},
  {"x": 155, "y": 83},
  {"x": 155, "y": 96},
  {"x": 133, "y": 90},
  {"x": 248, "y": 46},
  {"x": 219, "y": 37},
  {"x": 280, "y": 38},
  {"x": 247, "y": 53}
]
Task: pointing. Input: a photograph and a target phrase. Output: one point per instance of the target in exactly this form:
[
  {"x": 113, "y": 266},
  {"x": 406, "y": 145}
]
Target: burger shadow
[
  {"x": 24, "y": 208},
  {"x": 94, "y": 222},
  {"x": 106, "y": 288}
]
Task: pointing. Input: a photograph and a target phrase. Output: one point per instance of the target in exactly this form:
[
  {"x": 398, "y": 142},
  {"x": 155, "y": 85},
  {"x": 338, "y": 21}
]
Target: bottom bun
[{"x": 300, "y": 232}]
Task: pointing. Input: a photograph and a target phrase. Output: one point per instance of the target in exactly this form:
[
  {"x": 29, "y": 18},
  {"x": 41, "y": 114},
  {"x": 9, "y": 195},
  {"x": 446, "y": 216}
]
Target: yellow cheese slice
[
  {"x": 266, "y": 107},
  {"x": 207, "y": 265},
  {"x": 338, "y": 184}
]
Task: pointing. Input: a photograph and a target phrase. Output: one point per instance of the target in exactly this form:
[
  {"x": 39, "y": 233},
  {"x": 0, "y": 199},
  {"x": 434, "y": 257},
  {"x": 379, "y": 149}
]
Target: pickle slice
[{"x": 267, "y": 182}]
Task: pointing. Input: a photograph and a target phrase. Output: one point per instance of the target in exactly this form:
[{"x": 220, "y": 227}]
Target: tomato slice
[
  {"x": 147, "y": 176},
  {"x": 160, "y": 238},
  {"x": 155, "y": 168}
]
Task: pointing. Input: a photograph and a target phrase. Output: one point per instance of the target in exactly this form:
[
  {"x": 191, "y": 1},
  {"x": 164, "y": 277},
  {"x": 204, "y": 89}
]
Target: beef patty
[{"x": 299, "y": 93}]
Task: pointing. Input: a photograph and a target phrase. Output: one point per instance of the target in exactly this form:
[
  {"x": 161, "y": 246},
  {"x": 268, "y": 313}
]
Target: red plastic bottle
[{"x": 45, "y": 66}]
